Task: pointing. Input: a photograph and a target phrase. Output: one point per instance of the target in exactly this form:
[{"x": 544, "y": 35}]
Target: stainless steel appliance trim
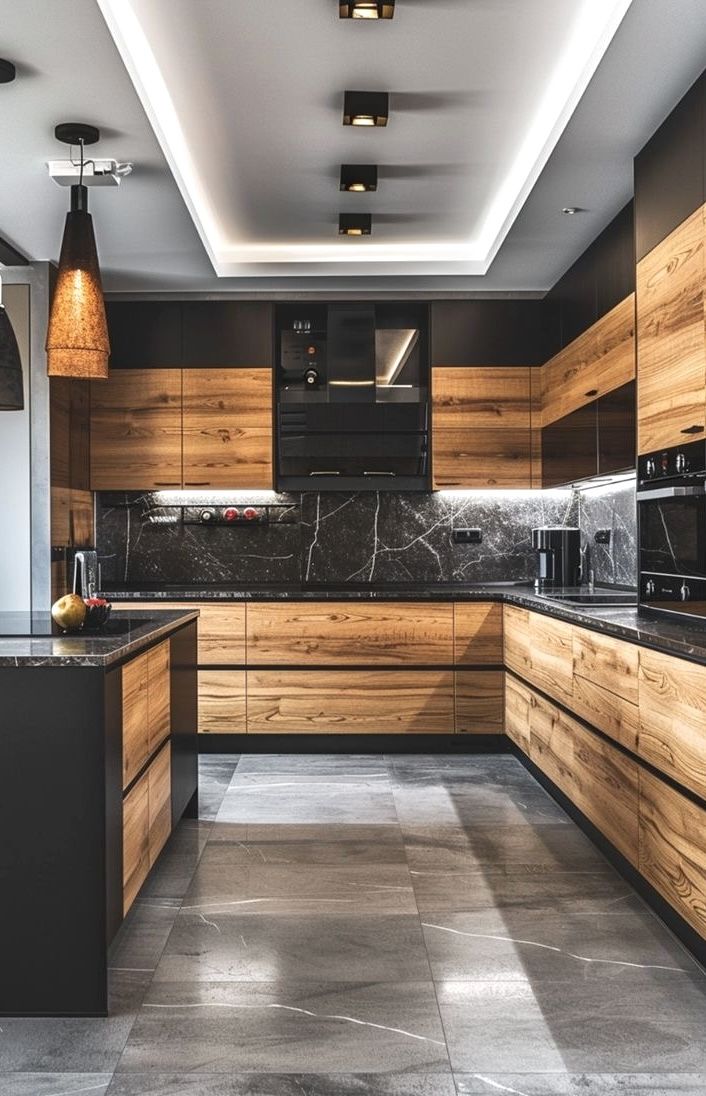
[{"x": 670, "y": 493}]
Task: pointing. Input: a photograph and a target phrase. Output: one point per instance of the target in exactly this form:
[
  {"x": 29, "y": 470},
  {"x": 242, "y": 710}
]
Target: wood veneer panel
[
  {"x": 350, "y": 702},
  {"x": 344, "y": 632},
  {"x": 136, "y": 430},
  {"x": 671, "y": 338},
  {"x": 518, "y": 710},
  {"x": 551, "y": 656},
  {"x": 472, "y": 457},
  {"x": 597, "y": 778},
  {"x": 672, "y": 733},
  {"x": 475, "y": 396},
  {"x": 159, "y": 694},
  {"x": 136, "y": 843},
  {"x": 516, "y": 639},
  {"x": 136, "y": 742},
  {"x": 228, "y": 428},
  {"x": 478, "y": 633},
  {"x": 605, "y": 684},
  {"x": 598, "y": 361},
  {"x": 222, "y": 702},
  {"x": 159, "y": 782},
  {"x": 673, "y": 848},
  {"x": 479, "y": 701},
  {"x": 220, "y": 628}
]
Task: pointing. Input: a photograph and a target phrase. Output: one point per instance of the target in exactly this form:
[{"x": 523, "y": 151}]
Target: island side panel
[
  {"x": 184, "y": 721},
  {"x": 53, "y": 924}
]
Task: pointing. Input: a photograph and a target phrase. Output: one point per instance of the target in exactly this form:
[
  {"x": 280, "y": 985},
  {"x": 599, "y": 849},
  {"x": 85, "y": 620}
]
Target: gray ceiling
[{"x": 258, "y": 91}]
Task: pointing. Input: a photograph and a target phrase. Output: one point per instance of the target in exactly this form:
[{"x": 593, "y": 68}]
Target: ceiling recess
[
  {"x": 366, "y": 108},
  {"x": 355, "y": 224},
  {"x": 367, "y": 9},
  {"x": 358, "y": 178}
]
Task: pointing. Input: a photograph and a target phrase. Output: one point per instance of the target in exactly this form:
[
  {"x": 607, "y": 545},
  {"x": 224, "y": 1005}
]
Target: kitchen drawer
[
  {"x": 605, "y": 685},
  {"x": 350, "y": 633},
  {"x": 551, "y": 656},
  {"x": 221, "y": 701},
  {"x": 350, "y": 702},
  {"x": 518, "y": 710},
  {"x": 159, "y": 694},
  {"x": 672, "y": 732},
  {"x": 136, "y": 840},
  {"x": 479, "y": 701},
  {"x": 478, "y": 633},
  {"x": 136, "y": 737},
  {"x": 516, "y": 639},
  {"x": 220, "y": 629},
  {"x": 159, "y": 785}
]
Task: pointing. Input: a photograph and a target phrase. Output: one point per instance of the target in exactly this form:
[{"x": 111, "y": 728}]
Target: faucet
[{"x": 86, "y": 573}]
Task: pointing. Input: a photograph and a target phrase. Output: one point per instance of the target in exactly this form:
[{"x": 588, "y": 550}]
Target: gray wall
[{"x": 15, "y": 471}]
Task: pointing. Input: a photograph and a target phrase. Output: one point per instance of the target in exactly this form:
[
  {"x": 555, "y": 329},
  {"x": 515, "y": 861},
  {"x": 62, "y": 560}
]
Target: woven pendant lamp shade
[
  {"x": 77, "y": 339},
  {"x": 11, "y": 389}
]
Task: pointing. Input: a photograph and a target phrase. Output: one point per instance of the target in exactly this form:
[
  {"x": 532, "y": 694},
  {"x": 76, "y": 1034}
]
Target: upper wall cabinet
[
  {"x": 481, "y": 427},
  {"x": 671, "y": 338},
  {"x": 227, "y": 428},
  {"x": 487, "y": 332},
  {"x": 144, "y": 334}
]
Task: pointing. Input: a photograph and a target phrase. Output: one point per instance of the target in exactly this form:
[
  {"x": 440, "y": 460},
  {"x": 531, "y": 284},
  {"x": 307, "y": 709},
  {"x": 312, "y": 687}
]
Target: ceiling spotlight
[
  {"x": 7, "y": 72},
  {"x": 358, "y": 178},
  {"x": 366, "y": 9},
  {"x": 569, "y": 211},
  {"x": 366, "y": 108},
  {"x": 355, "y": 224}
]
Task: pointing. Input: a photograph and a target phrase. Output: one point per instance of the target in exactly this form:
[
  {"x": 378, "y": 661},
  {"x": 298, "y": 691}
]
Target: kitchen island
[{"x": 97, "y": 764}]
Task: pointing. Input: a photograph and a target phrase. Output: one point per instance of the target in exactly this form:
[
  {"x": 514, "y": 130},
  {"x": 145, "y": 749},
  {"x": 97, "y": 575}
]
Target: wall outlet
[
  {"x": 468, "y": 536},
  {"x": 602, "y": 536}
]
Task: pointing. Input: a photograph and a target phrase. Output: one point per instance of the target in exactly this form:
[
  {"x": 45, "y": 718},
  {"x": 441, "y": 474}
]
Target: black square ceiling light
[
  {"x": 366, "y": 9},
  {"x": 355, "y": 224},
  {"x": 358, "y": 178},
  {"x": 366, "y": 108}
]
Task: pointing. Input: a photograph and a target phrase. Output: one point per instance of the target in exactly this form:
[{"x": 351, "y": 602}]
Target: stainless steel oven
[{"x": 671, "y": 510}]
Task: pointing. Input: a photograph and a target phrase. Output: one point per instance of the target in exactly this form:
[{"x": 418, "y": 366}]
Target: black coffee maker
[{"x": 558, "y": 551}]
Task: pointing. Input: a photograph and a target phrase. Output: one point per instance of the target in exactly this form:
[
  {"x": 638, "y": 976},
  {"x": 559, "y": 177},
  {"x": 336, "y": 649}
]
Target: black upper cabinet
[
  {"x": 489, "y": 332},
  {"x": 144, "y": 334},
  {"x": 227, "y": 333},
  {"x": 616, "y": 430},
  {"x": 569, "y": 448},
  {"x": 669, "y": 171}
]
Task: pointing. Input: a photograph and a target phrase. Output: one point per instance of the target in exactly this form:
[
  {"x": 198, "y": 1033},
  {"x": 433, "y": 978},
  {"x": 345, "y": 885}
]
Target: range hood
[{"x": 352, "y": 399}]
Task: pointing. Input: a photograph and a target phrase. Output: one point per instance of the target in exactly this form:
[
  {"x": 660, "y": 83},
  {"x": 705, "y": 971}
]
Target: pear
[{"x": 69, "y": 612}]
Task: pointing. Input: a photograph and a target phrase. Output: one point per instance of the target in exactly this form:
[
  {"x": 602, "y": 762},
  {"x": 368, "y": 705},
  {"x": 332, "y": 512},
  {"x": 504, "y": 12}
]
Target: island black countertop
[
  {"x": 682, "y": 638},
  {"x": 26, "y": 639}
]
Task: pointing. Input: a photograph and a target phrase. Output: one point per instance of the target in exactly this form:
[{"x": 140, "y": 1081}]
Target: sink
[{"x": 597, "y": 597}]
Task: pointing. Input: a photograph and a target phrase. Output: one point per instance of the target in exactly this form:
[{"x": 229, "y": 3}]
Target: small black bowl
[{"x": 96, "y": 616}]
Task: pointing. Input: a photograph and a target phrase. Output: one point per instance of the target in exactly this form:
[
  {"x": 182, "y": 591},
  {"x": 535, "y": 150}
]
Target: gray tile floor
[{"x": 398, "y": 926}]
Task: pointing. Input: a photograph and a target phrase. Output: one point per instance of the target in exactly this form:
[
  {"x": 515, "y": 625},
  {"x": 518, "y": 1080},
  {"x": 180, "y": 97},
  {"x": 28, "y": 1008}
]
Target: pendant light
[
  {"x": 77, "y": 339},
  {"x": 11, "y": 387}
]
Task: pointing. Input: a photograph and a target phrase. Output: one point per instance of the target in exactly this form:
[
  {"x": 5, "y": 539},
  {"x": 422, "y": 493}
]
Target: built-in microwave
[{"x": 671, "y": 511}]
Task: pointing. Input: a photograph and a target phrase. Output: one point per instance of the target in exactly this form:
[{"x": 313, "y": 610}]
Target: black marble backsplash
[{"x": 612, "y": 508}]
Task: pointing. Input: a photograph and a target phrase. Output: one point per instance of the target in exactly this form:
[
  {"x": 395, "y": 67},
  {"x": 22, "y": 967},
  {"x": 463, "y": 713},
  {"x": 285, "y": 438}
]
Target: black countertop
[
  {"x": 126, "y": 634},
  {"x": 681, "y": 638}
]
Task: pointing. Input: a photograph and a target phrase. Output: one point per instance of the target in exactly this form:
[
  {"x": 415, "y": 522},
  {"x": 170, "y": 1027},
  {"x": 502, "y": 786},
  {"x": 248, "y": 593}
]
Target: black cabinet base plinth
[{"x": 352, "y": 743}]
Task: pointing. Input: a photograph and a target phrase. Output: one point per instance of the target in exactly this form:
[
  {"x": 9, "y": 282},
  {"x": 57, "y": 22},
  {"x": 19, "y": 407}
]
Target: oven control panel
[
  {"x": 679, "y": 461},
  {"x": 683, "y": 594}
]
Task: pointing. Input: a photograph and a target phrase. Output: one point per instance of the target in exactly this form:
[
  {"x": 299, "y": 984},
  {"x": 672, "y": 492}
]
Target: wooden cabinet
[
  {"x": 519, "y": 699},
  {"x": 146, "y": 707},
  {"x": 228, "y": 428},
  {"x": 671, "y": 339},
  {"x": 481, "y": 427},
  {"x": 605, "y": 684},
  {"x": 350, "y": 702},
  {"x": 478, "y": 633},
  {"x": 570, "y": 447},
  {"x": 673, "y": 848},
  {"x": 672, "y": 735},
  {"x": 516, "y": 639},
  {"x": 227, "y": 333},
  {"x": 221, "y": 631},
  {"x": 479, "y": 701},
  {"x": 350, "y": 633},
  {"x": 222, "y": 702},
  {"x": 136, "y": 430},
  {"x": 597, "y": 778},
  {"x": 158, "y": 694},
  {"x": 147, "y": 823},
  {"x": 551, "y": 656}
]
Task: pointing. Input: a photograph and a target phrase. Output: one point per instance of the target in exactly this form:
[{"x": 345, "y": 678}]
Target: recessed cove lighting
[
  {"x": 366, "y": 108},
  {"x": 358, "y": 178},
  {"x": 355, "y": 224},
  {"x": 366, "y": 9}
]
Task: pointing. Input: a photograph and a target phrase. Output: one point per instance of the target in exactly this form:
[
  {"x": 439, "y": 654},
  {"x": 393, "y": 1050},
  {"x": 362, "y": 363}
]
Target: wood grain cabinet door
[
  {"x": 220, "y": 630},
  {"x": 516, "y": 639},
  {"x": 228, "y": 428},
  {"x": 136, "y": 430},
  {"x": 339, "y": 633},
  {"x": 478, "y": 633},
  {"x": 159, "y": 694},
  {"x": 606, "y": 684},
  {"x": 672, "y": 734},
  {"x": 136, "y": 841},
  {"x": 222, "y": 702},
  {"x": 479, "y": 701},
  {"x": 671, "y": 340},
  {"x": 159, "y": 782},
  {"x": 136, "y": 737},
  {"x": 552, "y": 656},
  {"x": 481, "y": 426},
  {"x": 518, "y": 712}
]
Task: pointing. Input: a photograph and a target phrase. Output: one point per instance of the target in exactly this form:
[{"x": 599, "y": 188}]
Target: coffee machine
[{"x": 558, "y": 551}]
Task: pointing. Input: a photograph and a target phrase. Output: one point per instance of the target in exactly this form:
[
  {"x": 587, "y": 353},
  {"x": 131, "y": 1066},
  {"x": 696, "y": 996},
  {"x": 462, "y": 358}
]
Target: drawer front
[
  {"x": 136, "y": 745},
  {"x": 347, "y": 633},
  {"x": 222, "y": 701},
  {"x": 159, "y": 780},
  {"x": 673, "y": 848},
  {"x": 478, "y": 634},
  {"x": 136, "y": 841},
  {"x": 518, "y": 711},
  {"x": 672, "y": 734},
  {"x": 479, "y": 701},
  {"x": 354, "y": 702},
  {"x": 159, "y": 694},
  {"x": 608, "y": 662},
  {"x": 551, "y": 657},
  {"x": 220, "y": 629},
  {"x": 516, "y": 639},
  {"x": 597, "y": 778},
  {"x": 611, "y": 714}
]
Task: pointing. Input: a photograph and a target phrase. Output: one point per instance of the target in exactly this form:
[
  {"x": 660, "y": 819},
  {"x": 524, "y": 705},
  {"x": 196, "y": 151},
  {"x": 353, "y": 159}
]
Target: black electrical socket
[
  {"x": 468, "y": 536},
  {"x": 602, "y": 536}
]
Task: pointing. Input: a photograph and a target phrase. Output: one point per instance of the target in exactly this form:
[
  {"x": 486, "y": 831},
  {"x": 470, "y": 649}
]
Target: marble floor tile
[
  {"x": 335, "y": 844},
  {"x": 557, "y": 848},
  {"x": 295, "y": 798},
  {"x": 481, "y": 889},
  {"x": 215, "y": 774},
  {"x": 313, "y": 764},
  {"x": 231, "y": 1027},
  {"x": 581, "y": 1084},
  {"x": 232, "y": 947},
  {"x": 302, "y": 1084},
  {"x": 517, "y": 944},
  {"x": 256, "y": 887},
  {"x": 493, "y": 805},
  {"x": 73, "y": 1044},
  {"x": 644, "y": 1024},
  {"x": 54, "y": 1084},
  {"x": 141, "y": 938}
]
